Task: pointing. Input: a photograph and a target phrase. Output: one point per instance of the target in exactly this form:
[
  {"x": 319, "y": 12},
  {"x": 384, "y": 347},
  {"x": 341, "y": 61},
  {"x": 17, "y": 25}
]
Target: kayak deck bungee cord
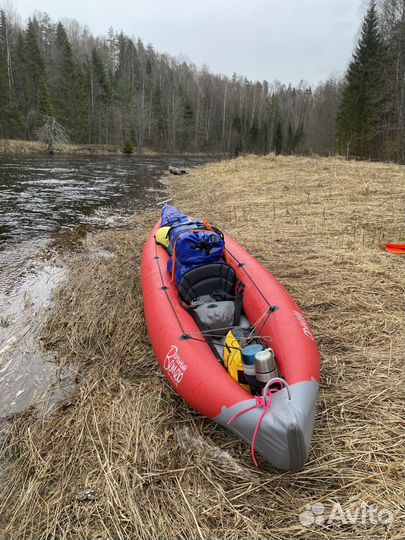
[{"x": 230, "y": 339}]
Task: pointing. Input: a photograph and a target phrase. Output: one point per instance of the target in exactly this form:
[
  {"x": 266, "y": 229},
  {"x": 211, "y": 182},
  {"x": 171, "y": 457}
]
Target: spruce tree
[
  {"x": 159, "y": 134},
  {"x": 71, "y": 93},
  {"x": 101, "y": 95},
  {"x": 81, "y": 111},
  {"x": 289, "y": 144},
  {"x": 237, "y": 139},
  {"x": 38, "y": 102},
  {"x": 189, "y": 119},
  {"x": 4, "y": 87},
  {"x": 254, "y": 134},
  {"x": 298, "y": 136},
  {"x": 357, "y": 118},
  {"x": 124, "y": 83},
  {"x": 64, "y": 99},
  {"x": 392, "y": 112},
  {"x": 100, "y": 72},
  {"x": 10, "y": 119},
  {"x": 278, "y": 138}
]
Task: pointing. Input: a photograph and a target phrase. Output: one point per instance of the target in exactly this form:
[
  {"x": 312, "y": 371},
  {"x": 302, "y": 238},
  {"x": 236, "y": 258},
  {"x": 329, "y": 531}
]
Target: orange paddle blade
[{"x": 395, "y": 248}]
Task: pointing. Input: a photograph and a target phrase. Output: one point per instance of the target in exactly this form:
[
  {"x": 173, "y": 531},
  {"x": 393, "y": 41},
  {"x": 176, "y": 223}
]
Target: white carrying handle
[{"x": 275, "y": 380}]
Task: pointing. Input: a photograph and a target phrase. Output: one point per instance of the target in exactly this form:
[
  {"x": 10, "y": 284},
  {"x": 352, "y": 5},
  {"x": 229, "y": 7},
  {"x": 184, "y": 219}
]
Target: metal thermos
[
  {"x": 249, "y": 352},
  {"x": 265, "y": 365},
  {"x": 248, "y": 356}
]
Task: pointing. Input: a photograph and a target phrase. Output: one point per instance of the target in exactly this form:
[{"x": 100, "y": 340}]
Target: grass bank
[
  {"x": 15, "y": 146},
  {"x": 159, "y": 470}
]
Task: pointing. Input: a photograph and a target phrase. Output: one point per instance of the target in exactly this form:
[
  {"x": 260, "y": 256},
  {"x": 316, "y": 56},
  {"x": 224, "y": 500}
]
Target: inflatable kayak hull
[{"x": 196, "y": 375}]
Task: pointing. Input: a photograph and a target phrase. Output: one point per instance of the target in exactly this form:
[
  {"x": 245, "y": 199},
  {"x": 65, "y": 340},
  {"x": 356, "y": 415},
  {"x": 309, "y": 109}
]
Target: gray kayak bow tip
[{"x": 285, "y": 432}]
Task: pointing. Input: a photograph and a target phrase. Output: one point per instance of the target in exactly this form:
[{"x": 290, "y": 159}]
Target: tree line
[
  {"x": 371, "y": 115},
  {"x": 116, "y": 89}
]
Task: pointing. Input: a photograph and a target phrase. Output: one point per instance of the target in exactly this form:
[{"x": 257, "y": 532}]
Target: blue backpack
[
  {"x": 171, "y": 215},
  {"x": 192, "y": 243},
  {"x": 194, "y": 248}
]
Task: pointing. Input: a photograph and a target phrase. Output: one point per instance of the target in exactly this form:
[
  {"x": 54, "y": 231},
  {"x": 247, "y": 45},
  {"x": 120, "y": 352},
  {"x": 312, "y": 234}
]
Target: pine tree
[{"x": 357, "y": 118}]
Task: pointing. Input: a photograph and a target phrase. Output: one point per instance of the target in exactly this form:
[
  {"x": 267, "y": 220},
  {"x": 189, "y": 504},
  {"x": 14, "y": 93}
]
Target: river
[{"x": 42, "y": 197}]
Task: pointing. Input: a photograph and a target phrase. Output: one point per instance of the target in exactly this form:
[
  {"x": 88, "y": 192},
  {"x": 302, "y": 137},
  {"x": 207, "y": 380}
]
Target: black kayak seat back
[{"x": 205, "y": 279}]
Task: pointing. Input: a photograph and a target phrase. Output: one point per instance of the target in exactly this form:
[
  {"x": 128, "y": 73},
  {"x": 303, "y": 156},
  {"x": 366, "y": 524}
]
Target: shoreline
[
  {"x": 316, "y": 224},
  {"x": 23, "y": 147}
]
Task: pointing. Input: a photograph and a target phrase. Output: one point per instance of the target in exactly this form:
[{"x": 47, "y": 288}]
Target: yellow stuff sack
[
  {"x": 233, "y": 359},
  {"x": 162, "y": 237}
]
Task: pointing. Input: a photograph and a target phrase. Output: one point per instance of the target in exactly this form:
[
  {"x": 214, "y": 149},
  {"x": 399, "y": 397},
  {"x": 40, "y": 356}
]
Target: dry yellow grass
[
  {"x": 16, "y": 146},
  {"x": 161, "y": 471},
  {"x": 21, "y": 146}
]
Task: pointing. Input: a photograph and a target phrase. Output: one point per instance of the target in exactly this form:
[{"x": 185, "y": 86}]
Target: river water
[{"x": 40, "y": 198}]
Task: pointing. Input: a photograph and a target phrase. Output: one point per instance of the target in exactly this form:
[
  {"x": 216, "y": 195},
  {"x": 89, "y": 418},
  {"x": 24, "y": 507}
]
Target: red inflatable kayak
[
  {"x": 281, "y": 431},
  {"x": 395, "y": 248}
]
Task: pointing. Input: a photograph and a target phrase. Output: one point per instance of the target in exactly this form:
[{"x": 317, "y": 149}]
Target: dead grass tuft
[{"x": 157, "y": 469}]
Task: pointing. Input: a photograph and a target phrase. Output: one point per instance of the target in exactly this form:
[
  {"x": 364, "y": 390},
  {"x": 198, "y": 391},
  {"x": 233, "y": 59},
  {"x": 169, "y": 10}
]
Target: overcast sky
[{"x": 287, "y": 40}]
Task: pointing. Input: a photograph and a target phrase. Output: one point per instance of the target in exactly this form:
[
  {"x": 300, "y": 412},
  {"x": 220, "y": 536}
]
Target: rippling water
[{"x": 40, "y": 196}]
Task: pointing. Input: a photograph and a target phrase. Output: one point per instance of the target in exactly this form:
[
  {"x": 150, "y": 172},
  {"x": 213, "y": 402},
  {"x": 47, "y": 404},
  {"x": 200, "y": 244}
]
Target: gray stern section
[{"x": 284, "y": 437}]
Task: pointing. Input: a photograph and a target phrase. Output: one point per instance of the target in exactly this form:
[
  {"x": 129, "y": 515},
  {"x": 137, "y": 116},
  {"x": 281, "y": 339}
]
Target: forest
[{"x": 117, "y": 90}]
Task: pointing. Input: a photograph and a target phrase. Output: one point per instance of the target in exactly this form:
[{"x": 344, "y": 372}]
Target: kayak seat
[{"x": 203, "y": 280}]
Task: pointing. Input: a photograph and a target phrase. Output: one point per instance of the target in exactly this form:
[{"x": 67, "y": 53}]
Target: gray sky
[{"x": 287, "y": 40}]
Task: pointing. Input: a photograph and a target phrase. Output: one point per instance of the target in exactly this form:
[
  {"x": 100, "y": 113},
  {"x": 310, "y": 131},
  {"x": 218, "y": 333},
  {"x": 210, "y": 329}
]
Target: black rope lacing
[
  {"x": 242, "y": 266},
  {"x": 203, "y": 334},
  {"x": 165, "y": 289}
]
